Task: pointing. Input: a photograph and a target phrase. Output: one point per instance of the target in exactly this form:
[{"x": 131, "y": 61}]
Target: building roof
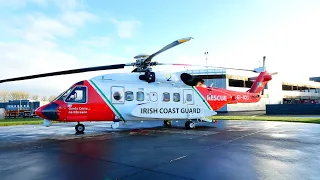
[{"x": 316, "y": 79}]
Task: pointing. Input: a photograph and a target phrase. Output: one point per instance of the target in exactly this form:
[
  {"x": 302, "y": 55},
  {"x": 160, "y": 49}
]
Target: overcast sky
[{"x": 38, "y": 36}]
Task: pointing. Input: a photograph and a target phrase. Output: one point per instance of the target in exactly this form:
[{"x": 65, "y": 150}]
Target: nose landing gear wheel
[
  {"x": 190, "y": 125},
  {"x": 79, "y": 128}
]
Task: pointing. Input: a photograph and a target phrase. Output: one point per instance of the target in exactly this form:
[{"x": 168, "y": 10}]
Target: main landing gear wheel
[
  {"x": 79, "y": 128},
  {"x": 190, "y": 125},
  {"x": 167, "y": 123}
]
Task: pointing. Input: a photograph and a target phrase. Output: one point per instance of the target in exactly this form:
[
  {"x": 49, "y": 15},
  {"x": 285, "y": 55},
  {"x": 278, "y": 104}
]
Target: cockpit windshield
[{"x": 63, "y": 95}]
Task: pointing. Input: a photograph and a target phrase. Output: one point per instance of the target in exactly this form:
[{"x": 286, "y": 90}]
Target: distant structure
[
  {"x": 315, "y": 79},
  {"x": 20, "y": 108},
  {"x": 277, "y": 91},
  {"x": 2, "y": 111}
]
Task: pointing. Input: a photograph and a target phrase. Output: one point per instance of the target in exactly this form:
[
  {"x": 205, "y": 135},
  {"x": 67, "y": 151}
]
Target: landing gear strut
[
  {"x": 115, "y": 125},
  {"x": 167, "y": 123},
  {"x": 190, "y": 124},
  {"x": 79, "y": 128}
]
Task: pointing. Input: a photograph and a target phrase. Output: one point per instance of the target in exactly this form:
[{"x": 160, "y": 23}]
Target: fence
[{"x": 293, "y": 109}]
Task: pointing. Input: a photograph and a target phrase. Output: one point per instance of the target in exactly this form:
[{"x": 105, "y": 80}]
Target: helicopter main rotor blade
[
  {"x": 72, "y": 71},
  {"x": 205, "y": 66},
  {"x": 171, "y": 45}
]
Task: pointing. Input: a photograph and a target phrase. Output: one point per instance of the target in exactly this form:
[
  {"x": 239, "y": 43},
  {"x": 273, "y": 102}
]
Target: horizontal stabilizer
[{"x": 254, "y": 78}]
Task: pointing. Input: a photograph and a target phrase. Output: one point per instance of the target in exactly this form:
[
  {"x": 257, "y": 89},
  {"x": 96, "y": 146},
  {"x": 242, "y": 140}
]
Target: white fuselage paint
[{"x": 184, "y": 102}]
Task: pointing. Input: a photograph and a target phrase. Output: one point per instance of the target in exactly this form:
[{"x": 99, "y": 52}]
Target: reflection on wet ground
[{"x": 225, "y": 150}]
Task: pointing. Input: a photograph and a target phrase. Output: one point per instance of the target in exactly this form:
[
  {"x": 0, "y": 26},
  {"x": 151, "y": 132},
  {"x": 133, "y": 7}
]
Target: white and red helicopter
[{"x": 142, "y": 95}]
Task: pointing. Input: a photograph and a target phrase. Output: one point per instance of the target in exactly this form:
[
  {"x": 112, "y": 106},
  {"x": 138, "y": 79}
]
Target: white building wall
[{"x": 274, "y": 91}]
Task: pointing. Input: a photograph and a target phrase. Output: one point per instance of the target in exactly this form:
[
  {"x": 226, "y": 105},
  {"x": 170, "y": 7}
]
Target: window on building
[
  {"x": 129, "y": 96},
  {"x": 166, "y": 96},
  {"x": 236, "y": 83},
  {"x": 140, "y": 96},
  {"x": 248, "y": 84},
  {"x": 78, "y": 95},
  {"x": 176, "y": 97}
]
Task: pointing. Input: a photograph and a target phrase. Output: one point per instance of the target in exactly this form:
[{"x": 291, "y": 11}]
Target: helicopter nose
[
  {"x": 48, "y": 111},
  {"x": 39, "y": 112}
]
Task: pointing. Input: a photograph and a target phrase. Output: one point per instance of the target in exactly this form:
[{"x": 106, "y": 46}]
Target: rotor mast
[{"x": 144, "y": 62}]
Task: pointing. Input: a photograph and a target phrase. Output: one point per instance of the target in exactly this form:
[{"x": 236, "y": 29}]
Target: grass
[
  {"x": 23, "y": 121},
  {"x": 270, "y": 118},
  {"x": 20, "y": 121}
]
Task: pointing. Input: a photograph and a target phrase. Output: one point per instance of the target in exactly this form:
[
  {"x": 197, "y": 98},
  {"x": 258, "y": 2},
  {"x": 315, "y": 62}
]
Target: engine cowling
[
  {"x": 159, "y": 76},
  {"x": 166, "y": 77},
  {"x": 190, "y": 80}
]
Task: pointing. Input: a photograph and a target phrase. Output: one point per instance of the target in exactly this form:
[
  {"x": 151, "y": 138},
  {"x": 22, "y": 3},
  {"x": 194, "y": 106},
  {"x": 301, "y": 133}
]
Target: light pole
[{"x": 206, "y": 54}]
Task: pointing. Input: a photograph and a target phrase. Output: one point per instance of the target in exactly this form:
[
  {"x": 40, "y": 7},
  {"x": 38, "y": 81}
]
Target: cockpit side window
[{"x": 77, "y": 95}]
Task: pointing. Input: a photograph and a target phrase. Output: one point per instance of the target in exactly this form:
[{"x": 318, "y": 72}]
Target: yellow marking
[{"x": 183, "y": 40}]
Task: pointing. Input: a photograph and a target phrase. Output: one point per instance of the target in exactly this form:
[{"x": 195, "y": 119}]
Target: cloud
[
  {"x": 21, "y": 59},
  {"x": 44, "y": 28},
  {"x": 33, "y": 43},
  {"x": 97, "y": 41},
  {"x": 78, "y": 18},
  {"x": 67, "y": 5},
  {"x": 131, "y": 51},
  {"x": 125, "y": 28}
]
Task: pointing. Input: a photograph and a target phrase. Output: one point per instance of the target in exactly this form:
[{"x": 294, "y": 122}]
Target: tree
[
  {"x": 4, "y": 96},
  {"x": 35, "y": 97},
  {"x": 51, "y": 98},
  {"x": 14, "y": 95},
  {"x": 24, "y": 95},
  {"x": 44, "y": 98}
]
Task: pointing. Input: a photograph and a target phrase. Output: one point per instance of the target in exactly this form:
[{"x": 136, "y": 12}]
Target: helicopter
[{"x": 142, "y": 94}]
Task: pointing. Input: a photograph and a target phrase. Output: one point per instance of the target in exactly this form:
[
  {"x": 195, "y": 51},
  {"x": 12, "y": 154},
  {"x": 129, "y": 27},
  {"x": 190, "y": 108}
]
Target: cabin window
[
  {"x": 166, "y": 97},
  {"x": 189, "y": 97},
  {"x": 78, "y": 95},
  {"x": 176, "y": 97},
  {"x": 129, "y": 96},
  {"x": 140, "y": 96},
  {"x": 117, "y": 95}
]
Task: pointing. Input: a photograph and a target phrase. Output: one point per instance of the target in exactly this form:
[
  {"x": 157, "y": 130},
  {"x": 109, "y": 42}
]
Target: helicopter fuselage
[{"x": 125, "y": 97}]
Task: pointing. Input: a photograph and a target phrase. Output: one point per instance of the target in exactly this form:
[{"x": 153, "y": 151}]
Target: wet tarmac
[{"x": 225, "y": 150}]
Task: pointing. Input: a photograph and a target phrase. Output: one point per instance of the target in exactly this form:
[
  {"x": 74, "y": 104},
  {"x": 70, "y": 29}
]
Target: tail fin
[{"x": 260, "y": 82}]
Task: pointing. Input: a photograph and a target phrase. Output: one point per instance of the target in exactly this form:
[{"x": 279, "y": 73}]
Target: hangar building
[{"x": 278, "y": 91}]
